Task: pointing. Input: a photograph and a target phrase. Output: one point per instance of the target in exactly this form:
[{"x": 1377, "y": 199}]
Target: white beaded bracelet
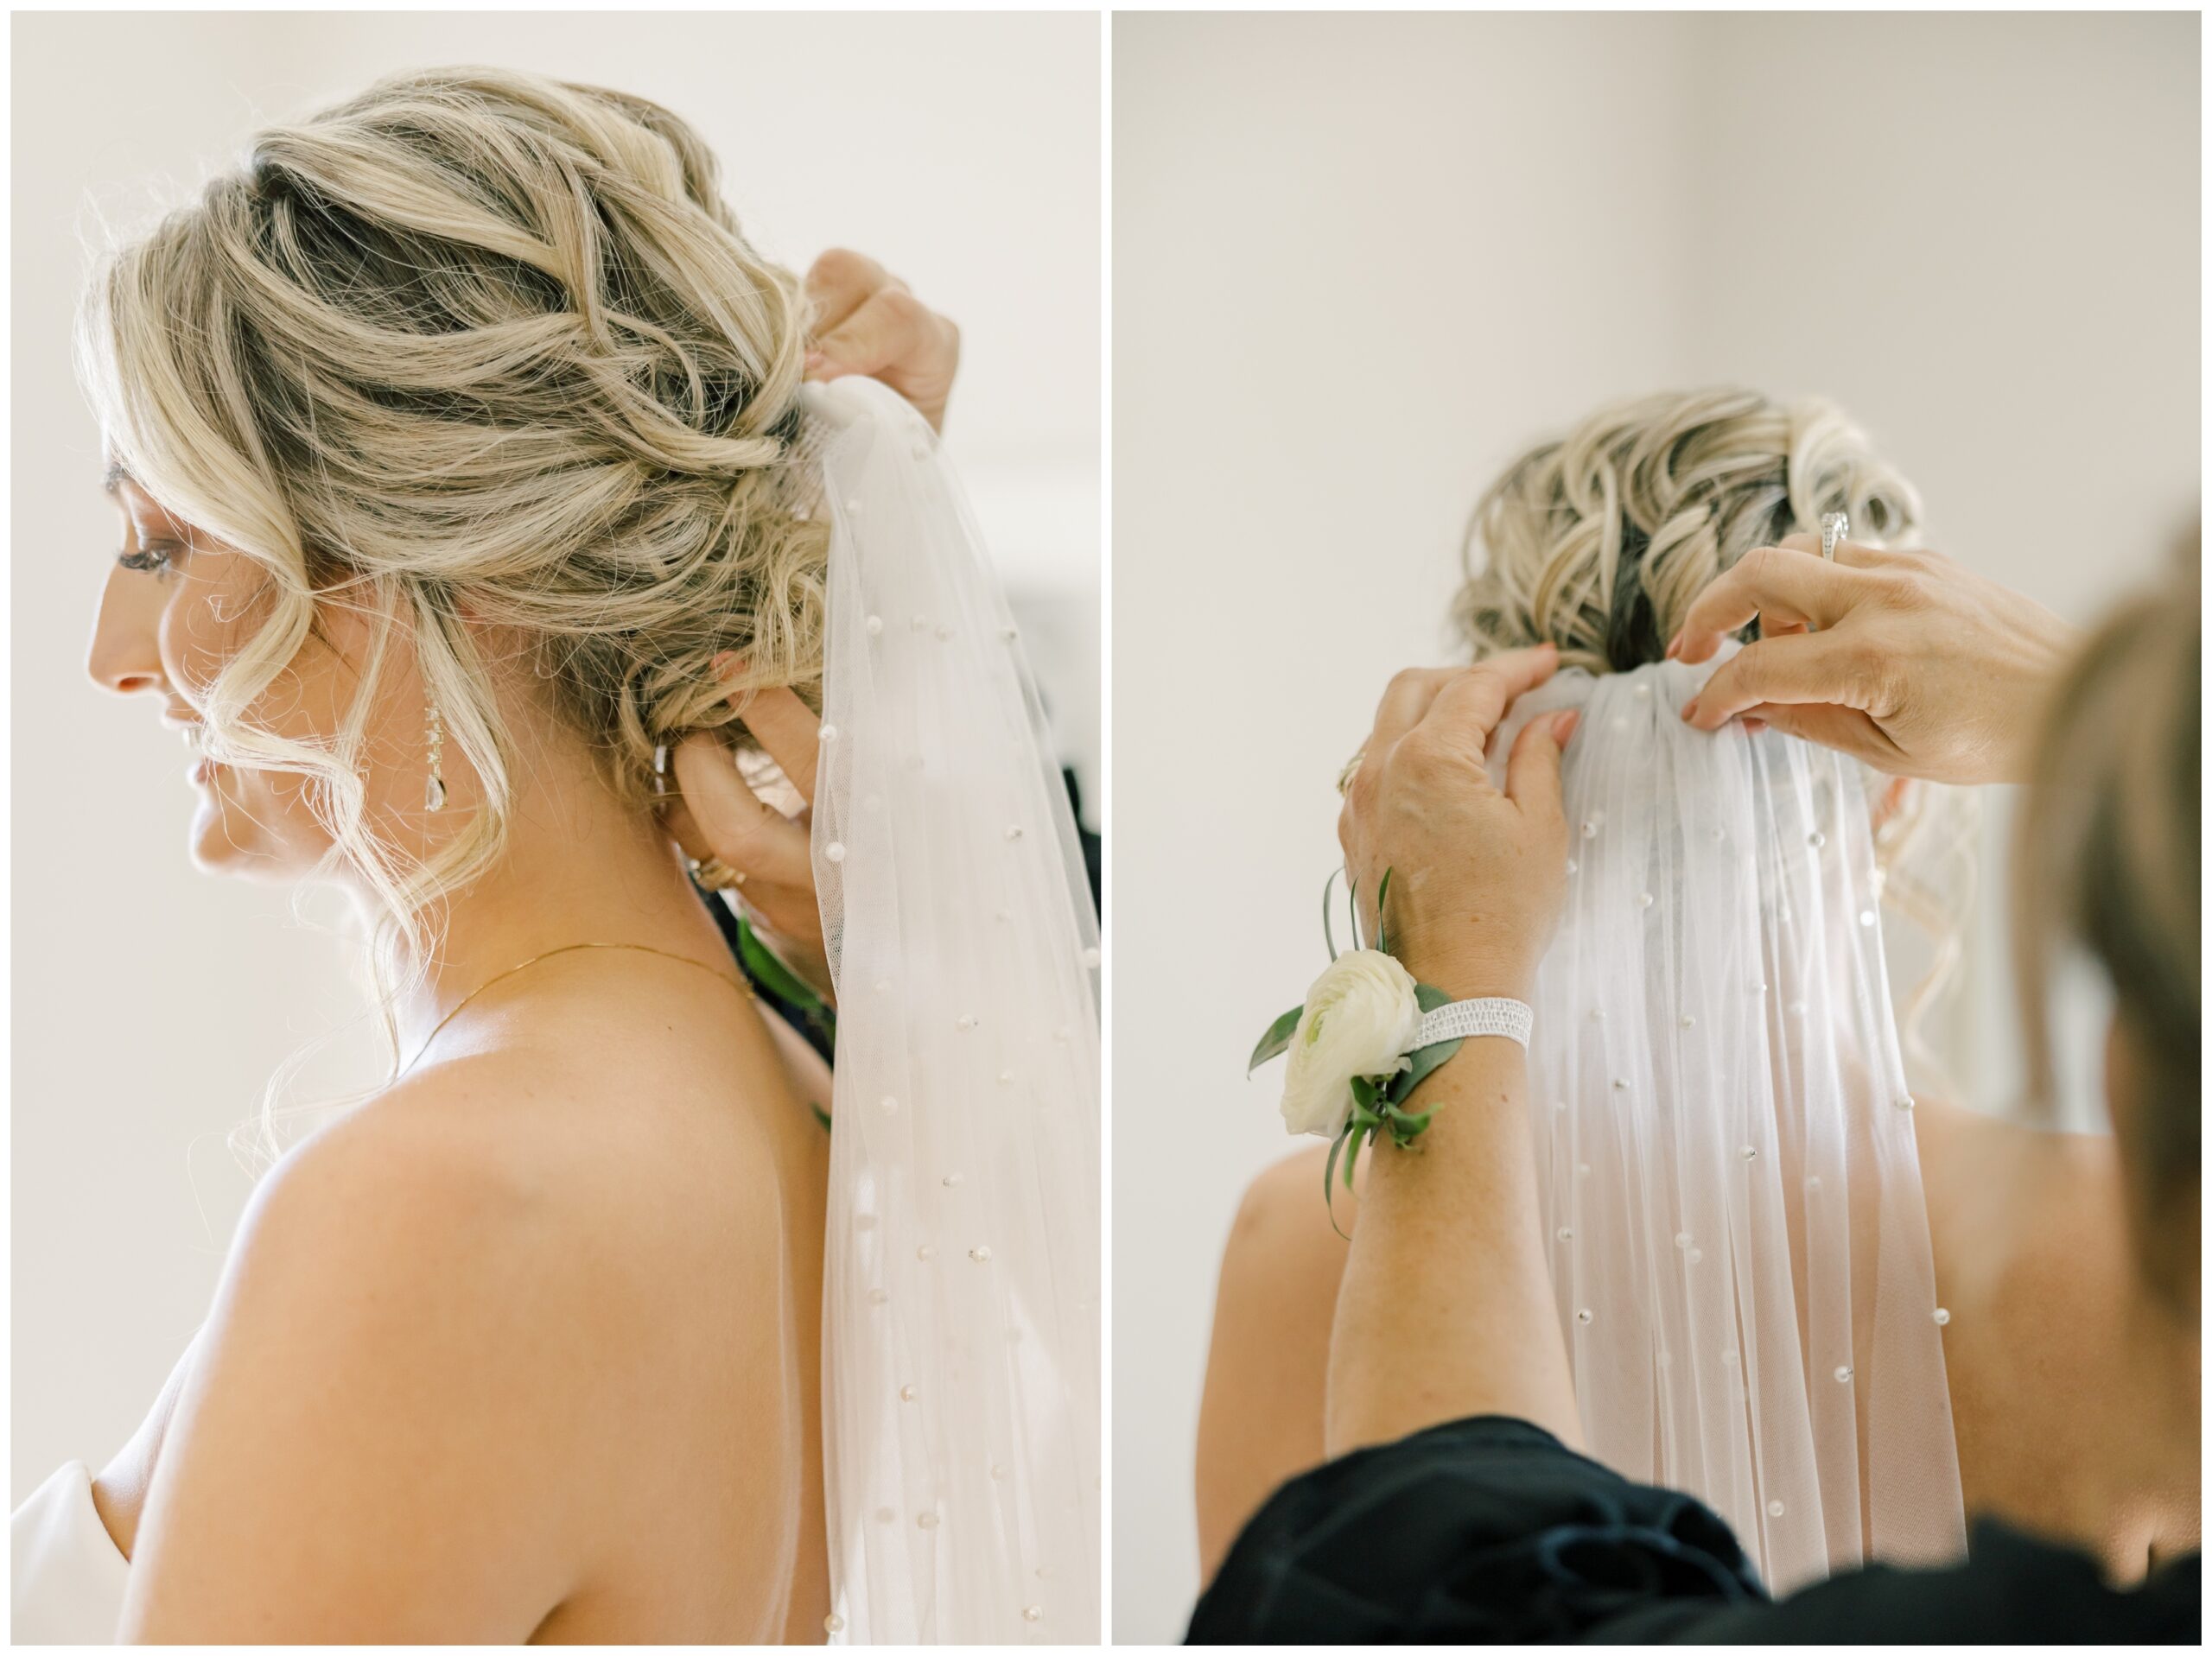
[{"x": 1458, "y": 1020}]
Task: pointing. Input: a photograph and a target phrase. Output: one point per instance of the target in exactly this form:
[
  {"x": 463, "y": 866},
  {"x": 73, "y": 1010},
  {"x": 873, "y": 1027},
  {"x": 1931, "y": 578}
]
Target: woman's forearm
[{"x": 1446, "y": 1308}]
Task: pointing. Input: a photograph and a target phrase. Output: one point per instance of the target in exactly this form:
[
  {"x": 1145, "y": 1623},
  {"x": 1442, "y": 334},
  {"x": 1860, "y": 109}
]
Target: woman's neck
[{"x": 578, "y": 866}]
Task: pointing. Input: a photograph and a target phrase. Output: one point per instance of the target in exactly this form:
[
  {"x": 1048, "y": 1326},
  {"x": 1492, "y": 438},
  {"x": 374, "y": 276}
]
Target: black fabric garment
[
  {"x": 1490, "y": 1531},
  {"x": 1094, "y": 848}
]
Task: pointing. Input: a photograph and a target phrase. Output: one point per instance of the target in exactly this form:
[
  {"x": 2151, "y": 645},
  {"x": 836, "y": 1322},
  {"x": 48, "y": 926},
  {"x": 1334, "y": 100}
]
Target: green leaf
[
  {"x": 1276, "y": 1039},
  {"x": 1363, "y": 1093},
  {"x": 1329, "y": 1181},
  {"x": 774, "y": 976},
  {"x": 1327, "y": 935},
  {"x": 1424, "y": 1060},
  {"x": 1430, "y": 999},
  {"x": 1352, "y": 1161},
  {"x": 1352, "y": 901},
  {"x": 1383, "y": 914},
  {"x": 820, "y": 1115}
]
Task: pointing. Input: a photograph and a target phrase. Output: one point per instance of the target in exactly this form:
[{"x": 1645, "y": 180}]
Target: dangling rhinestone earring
[{"x": 434, "y": 796}]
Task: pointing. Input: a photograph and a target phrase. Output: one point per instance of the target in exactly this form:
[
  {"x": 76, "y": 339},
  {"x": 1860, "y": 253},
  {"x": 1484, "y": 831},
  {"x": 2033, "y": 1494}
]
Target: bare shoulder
[
  {"x": 2027, "y": 1229},
  {"x": 439, "y": 1354},
  {"x": 1267, "y": 1365},
  {"x": 390, "y": 1345},
  {"x": 1286, "y": 1250},
  {"x": 1284, "y": 1256},
  {"x": 434, "y": 1167},
  {"x": 2050, "y": 1195},
  {"x": 530, "y": 1175},
  {"x": 2027, "y": 1234},
  {"x": 613, "y": 1141},
  {"x": 449, "y": 1231},
  {"x": 1288, "y": 1206}
]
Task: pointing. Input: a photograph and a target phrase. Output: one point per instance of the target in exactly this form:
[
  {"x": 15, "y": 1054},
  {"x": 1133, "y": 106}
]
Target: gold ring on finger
[{"x": 715, "y": 875}]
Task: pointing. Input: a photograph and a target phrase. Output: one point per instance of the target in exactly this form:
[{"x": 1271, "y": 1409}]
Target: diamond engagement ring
[
  {"x": 1834, "y": 526},
  {"x": 1350, "y": 769}
]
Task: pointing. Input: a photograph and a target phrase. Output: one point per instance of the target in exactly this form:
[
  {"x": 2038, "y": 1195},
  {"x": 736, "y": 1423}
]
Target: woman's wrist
[
  {"x": 1473, "y": 976},
  {"x": 1474, "y": 1076},
  {"x": 1416, "y": 1342}
]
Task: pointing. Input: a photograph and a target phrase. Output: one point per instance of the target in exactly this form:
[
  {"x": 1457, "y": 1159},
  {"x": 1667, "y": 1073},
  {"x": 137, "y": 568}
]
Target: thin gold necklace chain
[{"x": 745, "y": 984}]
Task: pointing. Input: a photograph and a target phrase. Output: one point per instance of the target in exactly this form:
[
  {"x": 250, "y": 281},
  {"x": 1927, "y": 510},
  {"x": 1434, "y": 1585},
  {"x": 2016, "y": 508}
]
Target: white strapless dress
[{"x": 68, "y": 1576}]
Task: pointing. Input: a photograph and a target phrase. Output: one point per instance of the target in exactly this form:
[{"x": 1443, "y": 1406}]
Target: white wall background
[
  {"x": 1360, "y": 262},
  {"x": 150, "y": 1003}
]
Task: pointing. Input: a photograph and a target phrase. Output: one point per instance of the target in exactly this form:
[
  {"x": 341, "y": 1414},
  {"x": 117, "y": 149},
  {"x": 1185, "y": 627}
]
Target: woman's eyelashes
[{"x": 155, "y": 558}]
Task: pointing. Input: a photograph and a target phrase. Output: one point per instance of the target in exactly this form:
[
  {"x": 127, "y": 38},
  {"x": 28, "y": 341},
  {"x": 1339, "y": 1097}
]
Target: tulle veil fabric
[
  {"x": 1730, "y": 1183},
  {"x": 961, "y": 1360}
]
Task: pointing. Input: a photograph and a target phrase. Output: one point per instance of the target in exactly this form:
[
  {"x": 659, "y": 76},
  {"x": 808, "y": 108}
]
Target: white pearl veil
[
  {"x": 960, "y": 1337},
  {"x": 1725, "y": 1150}
]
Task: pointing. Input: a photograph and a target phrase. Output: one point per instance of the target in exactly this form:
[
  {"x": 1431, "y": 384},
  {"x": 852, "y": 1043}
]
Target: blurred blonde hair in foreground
[
  {"x": 1598, "y": 541},
  {"x": 2106, "y": 862}
]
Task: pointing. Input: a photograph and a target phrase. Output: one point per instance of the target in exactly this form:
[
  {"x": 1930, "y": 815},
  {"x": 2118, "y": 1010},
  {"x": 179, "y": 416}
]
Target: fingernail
[
  {"x": 1674, "y": 644},
  {"x": 1563, "y": 724},
  {"x": 727, "y": 665},
  {"x": 1689, "y": 710},
  {"x": 1755, "y": 725}
]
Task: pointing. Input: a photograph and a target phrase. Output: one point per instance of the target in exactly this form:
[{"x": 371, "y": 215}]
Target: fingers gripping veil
[
  {"x": 1726, "y": 1158},
  {"x": 961, "y": 1292}
]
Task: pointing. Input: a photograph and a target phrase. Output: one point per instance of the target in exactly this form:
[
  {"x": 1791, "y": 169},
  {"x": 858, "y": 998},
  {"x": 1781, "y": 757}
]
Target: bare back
[{"x": 722, "y": 1525}]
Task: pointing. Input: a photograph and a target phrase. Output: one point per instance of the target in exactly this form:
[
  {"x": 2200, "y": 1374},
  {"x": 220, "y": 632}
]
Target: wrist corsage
[
  {"x": 1353, "y": 1064},
  {"x": 1365, "y": 1038}
]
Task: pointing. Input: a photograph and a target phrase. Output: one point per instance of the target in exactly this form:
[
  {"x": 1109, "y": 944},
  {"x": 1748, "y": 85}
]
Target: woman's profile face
[{"x": 175, "y": 607}]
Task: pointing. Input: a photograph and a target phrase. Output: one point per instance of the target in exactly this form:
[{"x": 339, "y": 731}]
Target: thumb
[{"x": 1532, "y": 769}]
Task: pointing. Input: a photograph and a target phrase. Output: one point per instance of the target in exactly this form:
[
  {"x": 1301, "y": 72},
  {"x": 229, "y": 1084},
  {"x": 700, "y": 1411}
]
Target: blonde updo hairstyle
[
  {"x": 474, "y": 349},
  {"x": 1597, "y": 541}
]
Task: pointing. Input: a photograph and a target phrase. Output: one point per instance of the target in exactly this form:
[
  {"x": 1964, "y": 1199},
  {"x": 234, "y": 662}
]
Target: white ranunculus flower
[{"x": 1360, "y": 1017}]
